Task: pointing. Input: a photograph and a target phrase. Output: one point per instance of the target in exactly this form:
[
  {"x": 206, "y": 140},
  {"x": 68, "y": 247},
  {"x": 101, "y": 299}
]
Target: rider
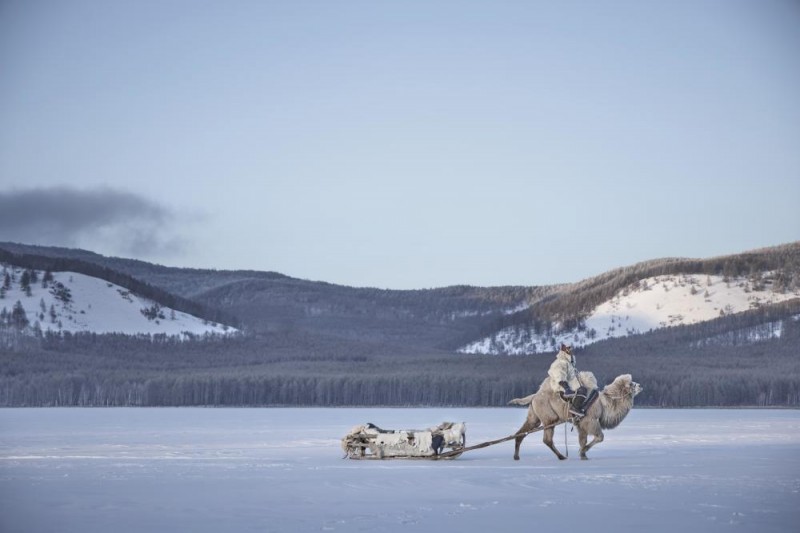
[{"x": 564, "y": 381}]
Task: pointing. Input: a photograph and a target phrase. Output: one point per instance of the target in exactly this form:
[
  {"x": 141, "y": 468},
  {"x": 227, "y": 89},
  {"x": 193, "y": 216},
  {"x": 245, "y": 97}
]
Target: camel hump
[{"x": 587, "y": 379}]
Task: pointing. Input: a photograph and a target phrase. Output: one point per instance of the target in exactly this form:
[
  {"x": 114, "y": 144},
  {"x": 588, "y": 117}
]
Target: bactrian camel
[{"x": 546, "y": 408}]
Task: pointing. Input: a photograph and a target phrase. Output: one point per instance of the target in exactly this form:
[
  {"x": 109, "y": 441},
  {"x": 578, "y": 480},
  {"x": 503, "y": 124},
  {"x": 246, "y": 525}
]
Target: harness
[{"x": 583, "y": 399}]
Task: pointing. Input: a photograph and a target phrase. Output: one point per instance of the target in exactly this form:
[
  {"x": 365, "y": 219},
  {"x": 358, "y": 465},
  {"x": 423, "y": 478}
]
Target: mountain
[
  {"x": 73, "y": 302},
  {"x": 269, "y": 302},
  {"x": 647, "y": 305},
  {"x": 488, "y": 320},
  {"x": 694, "y": 332},
  {"x": 645, "y": 297}
]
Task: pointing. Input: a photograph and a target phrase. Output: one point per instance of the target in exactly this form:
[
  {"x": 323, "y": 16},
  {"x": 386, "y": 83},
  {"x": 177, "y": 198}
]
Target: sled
[{"x": 371, "y": 442}]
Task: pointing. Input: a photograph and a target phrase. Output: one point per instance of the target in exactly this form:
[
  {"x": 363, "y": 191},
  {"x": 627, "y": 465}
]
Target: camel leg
[
  {"x": 582, "y": 438},
  {"x": 598, "y": 438},
  {"x": 532, "y": 422},
  {"x": 548, "y": 440}
]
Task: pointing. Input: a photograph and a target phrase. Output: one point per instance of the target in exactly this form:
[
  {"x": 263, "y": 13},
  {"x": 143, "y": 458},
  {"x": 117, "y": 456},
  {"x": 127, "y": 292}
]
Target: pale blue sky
[{"x": 401, "y": 144}]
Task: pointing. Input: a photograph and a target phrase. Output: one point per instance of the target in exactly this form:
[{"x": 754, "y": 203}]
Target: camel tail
[{"x": 522, "y": 401}]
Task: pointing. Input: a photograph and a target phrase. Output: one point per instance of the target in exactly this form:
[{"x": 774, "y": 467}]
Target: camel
[{"x": 547, "y": 408}]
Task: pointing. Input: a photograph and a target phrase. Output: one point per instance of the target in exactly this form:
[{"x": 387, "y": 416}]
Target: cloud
[{"x": 101, "y": 219}]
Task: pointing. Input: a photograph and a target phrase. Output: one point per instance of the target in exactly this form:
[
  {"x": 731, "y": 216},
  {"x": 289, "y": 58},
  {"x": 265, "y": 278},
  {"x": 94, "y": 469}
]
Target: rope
[{"x": 492, "y": 442}]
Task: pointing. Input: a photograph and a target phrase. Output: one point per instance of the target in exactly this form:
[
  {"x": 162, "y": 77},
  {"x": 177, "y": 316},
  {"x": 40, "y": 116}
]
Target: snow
[
  {"x": 98, "y": 306},
  {"x": 508, "y": 311},
  {"x": 521, "y": 307},
  {"x": 656, "y": 302},
  {"x": 195, "y": 469},
  {"x": 668, "y": 301}
]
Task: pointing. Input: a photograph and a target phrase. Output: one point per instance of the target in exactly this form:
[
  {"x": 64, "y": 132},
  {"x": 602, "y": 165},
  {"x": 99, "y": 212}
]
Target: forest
[
  {"x": 689, "y": 366},
  {"x": 305, "y": 343},
  {"x": 429, "y": 319}
]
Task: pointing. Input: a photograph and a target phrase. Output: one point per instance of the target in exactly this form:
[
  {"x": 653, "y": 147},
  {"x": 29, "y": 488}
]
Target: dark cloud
[{"x": 100, "y": 219}]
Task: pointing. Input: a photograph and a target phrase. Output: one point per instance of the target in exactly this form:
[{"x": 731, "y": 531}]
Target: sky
[{"x": 401, "y": 145}]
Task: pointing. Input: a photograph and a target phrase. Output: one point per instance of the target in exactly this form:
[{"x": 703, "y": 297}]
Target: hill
[
  {"x": 646, "y": 297},
  {"x": 491, "y": 320},
  {"x": 73, "y": 302},
  {"x": 269, "y": 302},
  {"x": 646, "y": 305},
  {"x": 313, "y": 343}
]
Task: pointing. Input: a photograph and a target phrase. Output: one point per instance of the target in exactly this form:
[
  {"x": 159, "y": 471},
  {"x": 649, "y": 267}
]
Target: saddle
[{"x": 581, "y": 400}]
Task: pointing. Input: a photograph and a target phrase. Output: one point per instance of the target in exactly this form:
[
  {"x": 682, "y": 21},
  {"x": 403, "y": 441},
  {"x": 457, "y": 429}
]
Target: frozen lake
[{"x": 125, "y": 470}]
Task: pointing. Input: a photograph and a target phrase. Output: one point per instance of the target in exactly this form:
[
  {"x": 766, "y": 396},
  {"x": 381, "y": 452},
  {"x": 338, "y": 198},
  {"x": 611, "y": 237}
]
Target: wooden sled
[{"x": 371, "y": 442}]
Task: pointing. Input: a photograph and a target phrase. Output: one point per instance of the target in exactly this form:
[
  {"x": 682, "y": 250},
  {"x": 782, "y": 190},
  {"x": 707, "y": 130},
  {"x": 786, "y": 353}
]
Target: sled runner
[{"x": 371, "y": 442}]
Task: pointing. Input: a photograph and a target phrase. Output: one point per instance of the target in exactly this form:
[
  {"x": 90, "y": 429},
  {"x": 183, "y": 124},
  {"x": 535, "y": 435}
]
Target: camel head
[{"x": 625, "y": 386}]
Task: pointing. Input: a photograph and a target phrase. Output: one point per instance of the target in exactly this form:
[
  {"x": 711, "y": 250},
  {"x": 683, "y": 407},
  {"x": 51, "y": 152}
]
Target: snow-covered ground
[
  {"x": 651, "y": 303},
  {"x": 126, "y": 470},
  {"x": 75, "y": 302}
]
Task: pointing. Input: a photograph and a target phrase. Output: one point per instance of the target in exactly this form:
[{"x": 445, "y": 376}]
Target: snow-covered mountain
[
  {"x": 648, "y": 304},
  {"x": 632, "y": 299},
  {"x": 313, "y": 343},
  {"x": 73, "y": 302}
]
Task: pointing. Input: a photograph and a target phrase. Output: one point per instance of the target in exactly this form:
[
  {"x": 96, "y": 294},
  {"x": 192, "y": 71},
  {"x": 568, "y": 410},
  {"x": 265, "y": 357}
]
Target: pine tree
[
  {"x": 19, "y": 318},
  {"x": 61, "y": 292},
  {"x": 25, "y": 282}
]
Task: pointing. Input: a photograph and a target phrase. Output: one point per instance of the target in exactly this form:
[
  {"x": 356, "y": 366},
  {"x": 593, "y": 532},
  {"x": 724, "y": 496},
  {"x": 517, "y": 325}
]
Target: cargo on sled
[{"x": 371, "y": 442}]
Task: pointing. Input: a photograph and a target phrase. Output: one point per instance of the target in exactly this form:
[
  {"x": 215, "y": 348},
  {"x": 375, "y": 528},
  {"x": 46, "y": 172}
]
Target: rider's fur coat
[{"x": 563, "y": 369}]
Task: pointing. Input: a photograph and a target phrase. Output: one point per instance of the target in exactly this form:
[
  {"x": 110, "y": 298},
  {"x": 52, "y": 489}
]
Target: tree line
[{"x": 675, "y": 368}]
